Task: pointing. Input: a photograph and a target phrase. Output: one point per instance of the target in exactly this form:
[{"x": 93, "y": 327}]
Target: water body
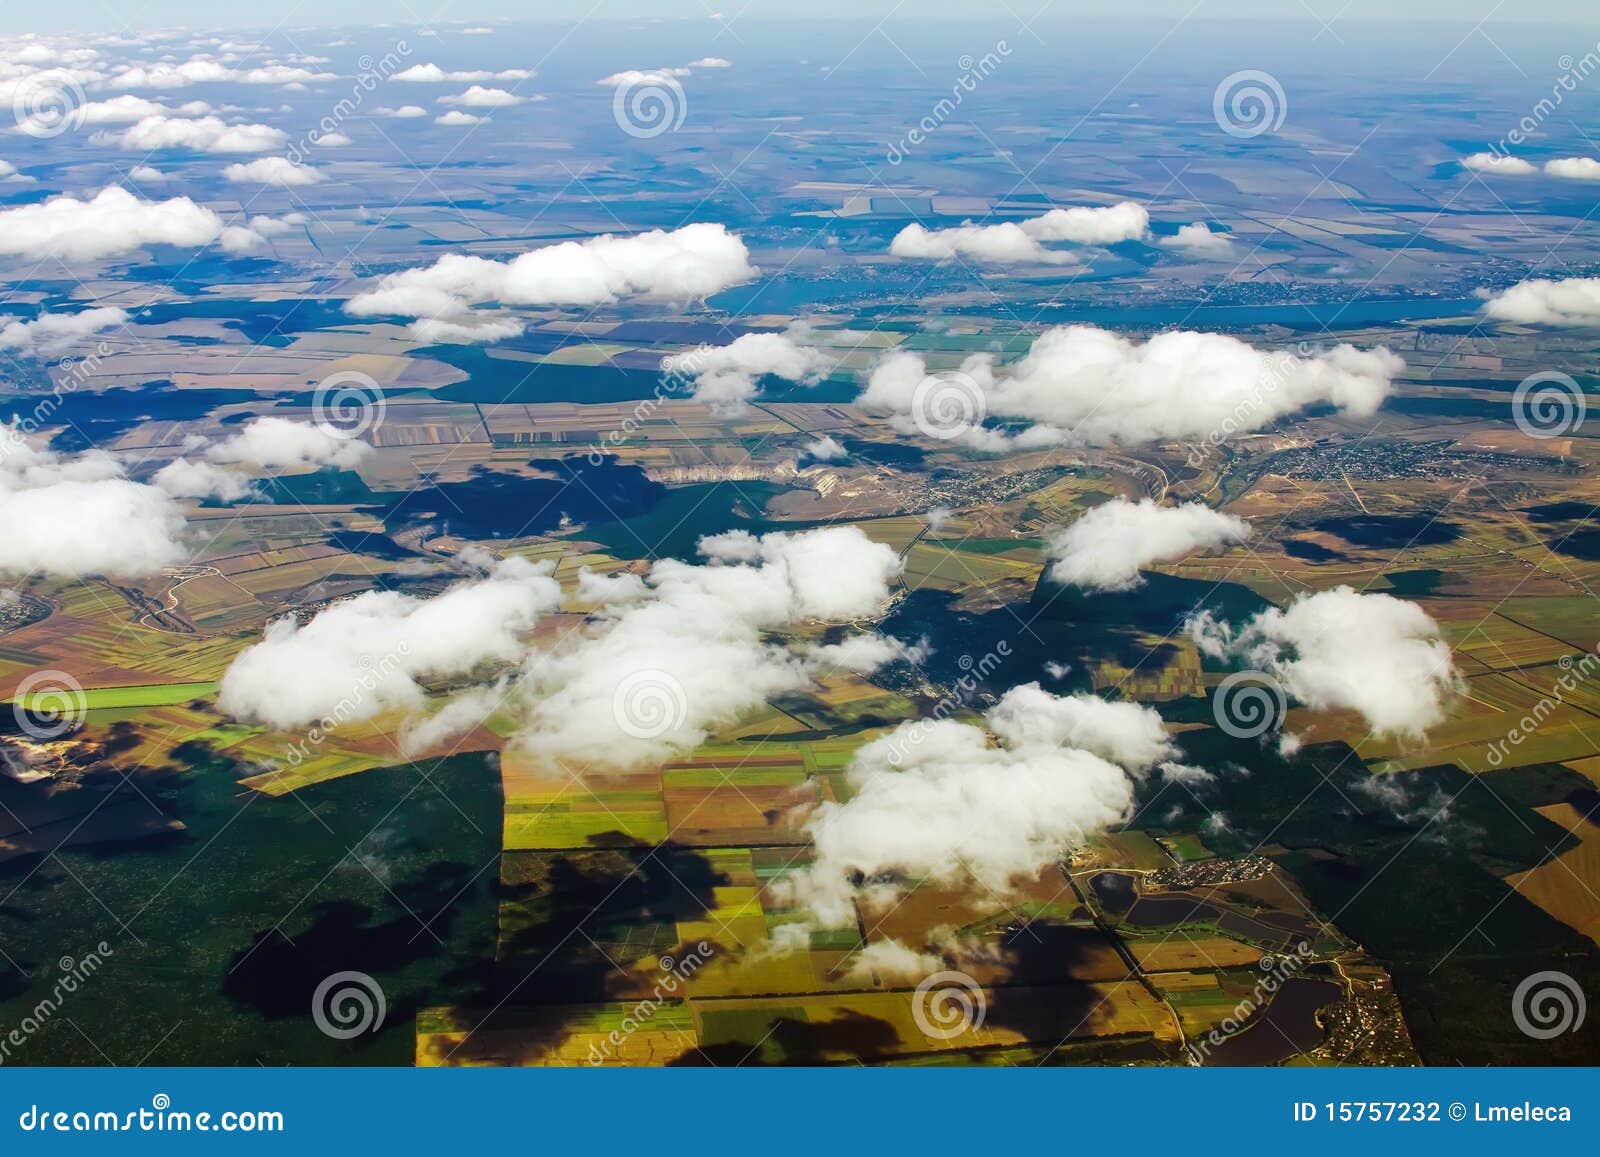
[{"x": 1287, "y": 1028}]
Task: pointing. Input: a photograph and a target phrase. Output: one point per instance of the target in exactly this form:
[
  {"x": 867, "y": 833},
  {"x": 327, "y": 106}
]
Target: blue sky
[{"x": 136, "y": 14}]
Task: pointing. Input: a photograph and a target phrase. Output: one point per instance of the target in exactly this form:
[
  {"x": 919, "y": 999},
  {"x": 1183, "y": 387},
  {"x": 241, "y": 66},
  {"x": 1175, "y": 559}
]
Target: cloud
[
  {"x": 128, "y": 109},
  {"x": 827, "y": 448},
  {"x": 280, "y": 444},
  {"x": 1495, "y": 163},
  {"x": 1574, "y": 168},
  {"x": 1024, "y": 241},
  {"x": 725, "y": 377},
  {"x": 1572, "y": 302},
  {"x": 433, "y": 74},
  {"x": 458, "y": 118},
  {"x": 1081, "y": 385},
  {"x": 950, "y": 803},
  {"x": 479, "y": 97},
  {"x": 635, "y": 77},
  {"x": 70, "y": 517},
  {"x": 1372, "y": 653},
  {"x": 200, "y": 70},
  {"x": 692, "y": 262},
  {"x": 279, "y": 171},
  {"x": 404, "y": 112},
  {"x": 332, "y": 141},
  {"x": 145, "y": 174},
  {"x": 367, "y": 654},
  {"x": 664, "y": 662},
  {"x": 710, "y": 62},
  {"x": 890, "y": 960},
  {"x": 49, "y": 334},
  {"x": 201, "y": 134},
  {"x": 183, "y": 478},
  {"x": 113, "y": 223},
  {"x": 1197, "y": 240},
  {"x": 1105, "y": 549}
]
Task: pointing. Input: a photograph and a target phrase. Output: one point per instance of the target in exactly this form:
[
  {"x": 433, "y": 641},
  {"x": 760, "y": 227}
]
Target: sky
[{"x": 137, "y": 14}]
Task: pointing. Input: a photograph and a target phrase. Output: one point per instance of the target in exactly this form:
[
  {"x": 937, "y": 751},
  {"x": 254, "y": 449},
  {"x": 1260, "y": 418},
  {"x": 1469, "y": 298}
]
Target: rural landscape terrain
[{"x": 698, "y": 550}]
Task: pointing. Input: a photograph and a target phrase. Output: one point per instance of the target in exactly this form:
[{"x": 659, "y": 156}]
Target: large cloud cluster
[
  {"x": 1105, "y": 549},
  {"x": 685, "y": 651},
  {"x": 113, "y": 222},
  {"x": 264, "y": 445},
  {"x": 49, "y": 334},
  {"x": 1572, "y": 302},
  {"x": 726, "y": 377},
  {"x": 665, "y": 657},
  {"x": 692, "y": 262},
  {"x": 953, "y": 803},
  {"x": 366, "y": 655},
  {"x": 70, "y": 517},
  {"x": 1080, "y": 385},
  {"x": 1024, "y": 241},
  {"x": 207, "y": 134},
  {"x": 1371, "y": 653}
]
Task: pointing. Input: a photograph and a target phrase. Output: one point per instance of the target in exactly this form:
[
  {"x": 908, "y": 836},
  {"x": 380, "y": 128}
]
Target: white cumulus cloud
[
  {"x": 1572, "y": 302},
  {"x": 690, "y": 262},
  {"x": 726, "y": 377},
  {"x": 1105, "y": 549},
  {"x": 1080, "y": 385},
  {"x": 1372, "y": 653},
  {"x": 1024, "y": 241}
]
